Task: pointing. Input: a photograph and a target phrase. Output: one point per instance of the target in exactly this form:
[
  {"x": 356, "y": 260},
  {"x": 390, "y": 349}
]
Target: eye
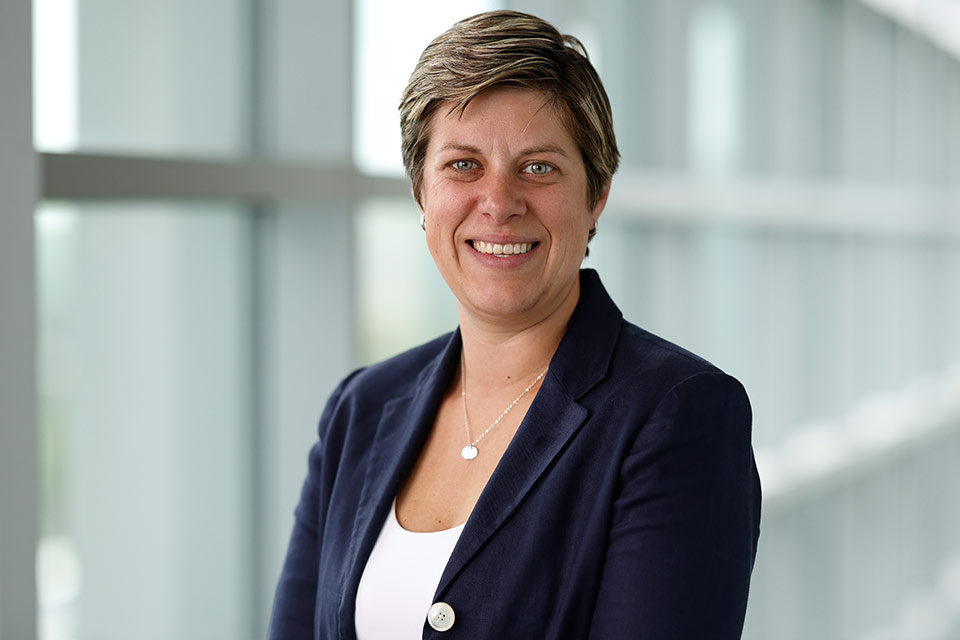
[
  {"x": 538, "y": 168},
  {"x": 463, "y": 165}
]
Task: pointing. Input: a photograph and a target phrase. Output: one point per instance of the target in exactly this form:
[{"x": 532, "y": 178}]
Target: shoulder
[
  {"x": 658, "y": 374},
  {"x": 614, "y": 365},
  {"x": 353, "y": 410},
  {"x": 645, "y": 356},
  {"x": 368, "y": 387},
  {"x": 398, "y": 376}
]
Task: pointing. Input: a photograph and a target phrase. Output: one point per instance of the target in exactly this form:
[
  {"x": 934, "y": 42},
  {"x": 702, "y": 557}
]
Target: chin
[{"x": 498, "y": 302}]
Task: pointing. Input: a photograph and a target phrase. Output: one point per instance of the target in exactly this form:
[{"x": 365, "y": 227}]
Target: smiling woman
[{"x": 547, "y": 470}]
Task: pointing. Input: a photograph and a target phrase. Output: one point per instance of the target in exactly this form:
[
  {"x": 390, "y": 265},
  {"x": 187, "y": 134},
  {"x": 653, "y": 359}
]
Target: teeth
[{"x": 502, "y": 249}]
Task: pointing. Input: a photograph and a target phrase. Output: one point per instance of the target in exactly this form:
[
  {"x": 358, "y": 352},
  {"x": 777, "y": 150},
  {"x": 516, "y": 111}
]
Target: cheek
[
  {"x": 447, "y": 206},
  {"x": 571, "y": 224},
  {"x": 440, "y": 233}
]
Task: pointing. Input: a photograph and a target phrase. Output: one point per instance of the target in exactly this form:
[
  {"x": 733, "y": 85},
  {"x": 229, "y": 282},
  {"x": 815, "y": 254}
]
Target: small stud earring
[
  {"x": 593, "y": 230},
  {"x": 423, "y": 222}
]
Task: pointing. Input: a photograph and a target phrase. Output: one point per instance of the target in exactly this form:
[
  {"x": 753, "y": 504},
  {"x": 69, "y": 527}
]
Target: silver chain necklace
[{"x": 470, "y": 451}]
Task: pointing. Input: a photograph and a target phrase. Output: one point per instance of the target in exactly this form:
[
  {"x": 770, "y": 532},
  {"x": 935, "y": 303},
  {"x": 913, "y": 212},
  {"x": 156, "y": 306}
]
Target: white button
[{"x": 441, "y": 616}]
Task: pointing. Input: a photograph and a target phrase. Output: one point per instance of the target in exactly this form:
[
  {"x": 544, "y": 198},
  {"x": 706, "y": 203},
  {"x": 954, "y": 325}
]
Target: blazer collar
[{"x": 583, "y": 357}]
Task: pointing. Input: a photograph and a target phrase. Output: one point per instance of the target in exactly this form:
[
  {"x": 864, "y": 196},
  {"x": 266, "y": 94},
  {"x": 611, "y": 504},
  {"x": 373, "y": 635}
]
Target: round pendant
[{"x": 469, "y": 452}]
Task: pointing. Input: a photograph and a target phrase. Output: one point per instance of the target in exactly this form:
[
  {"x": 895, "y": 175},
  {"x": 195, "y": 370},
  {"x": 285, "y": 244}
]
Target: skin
[{"x": 504, "y": 172}]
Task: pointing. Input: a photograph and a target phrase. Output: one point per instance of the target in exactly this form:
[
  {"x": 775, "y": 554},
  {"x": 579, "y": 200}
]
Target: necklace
[{"x": 470, "y": 451}]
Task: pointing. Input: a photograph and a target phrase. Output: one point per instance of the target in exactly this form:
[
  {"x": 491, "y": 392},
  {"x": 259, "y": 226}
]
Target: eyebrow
[
  {"x": 546, "y": 148},
  {"x": 456, "y": 146}
]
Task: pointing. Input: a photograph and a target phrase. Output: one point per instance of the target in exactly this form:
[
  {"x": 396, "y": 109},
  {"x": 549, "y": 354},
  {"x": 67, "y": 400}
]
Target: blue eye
[
  {"x": 538, "y": 168},
  {"x": 463, "y": 165}
]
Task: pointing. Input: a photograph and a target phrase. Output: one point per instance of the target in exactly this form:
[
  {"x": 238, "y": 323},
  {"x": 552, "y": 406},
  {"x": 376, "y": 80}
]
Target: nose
[{"x": 502, "y": 196}]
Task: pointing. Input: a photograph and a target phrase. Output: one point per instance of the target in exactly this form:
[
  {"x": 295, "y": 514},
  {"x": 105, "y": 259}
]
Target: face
[{"x": 505, "y": 199}]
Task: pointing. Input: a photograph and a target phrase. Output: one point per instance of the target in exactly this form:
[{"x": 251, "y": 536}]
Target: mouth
[{"x": 502, "y": 250}]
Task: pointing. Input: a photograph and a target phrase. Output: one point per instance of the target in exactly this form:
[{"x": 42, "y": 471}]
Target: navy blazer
[{"x": 627, "y": 505}]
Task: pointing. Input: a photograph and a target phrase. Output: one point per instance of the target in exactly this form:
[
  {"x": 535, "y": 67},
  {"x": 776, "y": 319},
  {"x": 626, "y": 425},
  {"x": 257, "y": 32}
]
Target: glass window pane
[
  {"x": 157, "y": 76},
  {"x": 390, "y": 38},
  {"x": 145, "y": 416},
  {"x": 401, "y": 299},
  {"x": 716, "y": 91}
]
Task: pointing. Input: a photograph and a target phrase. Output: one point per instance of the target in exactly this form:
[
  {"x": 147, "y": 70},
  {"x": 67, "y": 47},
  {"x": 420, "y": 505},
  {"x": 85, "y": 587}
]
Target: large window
[
  {"x": 146, "y": 420},
  {"x": 145, "y": 331}
]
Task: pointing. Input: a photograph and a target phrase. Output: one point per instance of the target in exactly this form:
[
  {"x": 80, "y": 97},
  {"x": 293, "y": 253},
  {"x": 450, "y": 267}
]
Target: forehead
[{"x": 501, "y": 117}]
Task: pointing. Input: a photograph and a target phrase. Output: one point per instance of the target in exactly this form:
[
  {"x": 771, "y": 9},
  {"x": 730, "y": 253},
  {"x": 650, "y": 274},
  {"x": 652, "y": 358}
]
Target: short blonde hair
[{"x": 510, "y": 49}]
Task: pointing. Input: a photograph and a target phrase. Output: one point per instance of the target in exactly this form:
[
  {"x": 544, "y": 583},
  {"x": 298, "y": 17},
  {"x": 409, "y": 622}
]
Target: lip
[{"x": 502, "y": 239}]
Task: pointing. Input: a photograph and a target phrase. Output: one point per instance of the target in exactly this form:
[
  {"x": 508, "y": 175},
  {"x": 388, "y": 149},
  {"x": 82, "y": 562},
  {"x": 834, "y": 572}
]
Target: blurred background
[{"x": 223, "y": 231}]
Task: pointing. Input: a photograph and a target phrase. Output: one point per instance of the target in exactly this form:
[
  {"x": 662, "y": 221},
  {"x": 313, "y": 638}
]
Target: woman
[{"x": 548, "y": 470}]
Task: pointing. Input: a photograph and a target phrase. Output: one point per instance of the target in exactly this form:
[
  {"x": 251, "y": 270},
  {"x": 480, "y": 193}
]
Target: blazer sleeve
[
  {"x": 294, "y": 604},
  {"x": 686, "y": 521}
]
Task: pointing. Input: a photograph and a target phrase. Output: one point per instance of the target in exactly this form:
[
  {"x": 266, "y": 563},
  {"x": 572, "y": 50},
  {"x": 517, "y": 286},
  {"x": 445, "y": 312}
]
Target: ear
[
  {"x": 601, "y": 202},
  {"x": 416, "y": 199}
]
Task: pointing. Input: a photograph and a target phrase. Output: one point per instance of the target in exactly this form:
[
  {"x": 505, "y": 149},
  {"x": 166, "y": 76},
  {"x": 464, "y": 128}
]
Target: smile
[{"x": 502, "y": 250}]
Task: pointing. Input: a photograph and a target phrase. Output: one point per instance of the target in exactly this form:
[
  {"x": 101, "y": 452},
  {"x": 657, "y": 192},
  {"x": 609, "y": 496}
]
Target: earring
[
  {"x": 423, "y": 222},
  {"x": 593, "y": 231}
]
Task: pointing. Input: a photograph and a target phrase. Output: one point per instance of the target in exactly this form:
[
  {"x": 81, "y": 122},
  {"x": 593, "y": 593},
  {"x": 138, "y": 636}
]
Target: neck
[{"x": 499, "y": 355}]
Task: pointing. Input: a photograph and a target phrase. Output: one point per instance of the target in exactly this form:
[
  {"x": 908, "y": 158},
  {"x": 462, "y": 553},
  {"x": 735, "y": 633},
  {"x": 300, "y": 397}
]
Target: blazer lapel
[
  {"x": 403, "y": 427},
  {"x": 552, "y": 419},
  {"x": 580, "y": 363}
]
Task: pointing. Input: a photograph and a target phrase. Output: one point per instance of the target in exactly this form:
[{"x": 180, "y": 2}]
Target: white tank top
[{"x": 397, "y": 586}]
